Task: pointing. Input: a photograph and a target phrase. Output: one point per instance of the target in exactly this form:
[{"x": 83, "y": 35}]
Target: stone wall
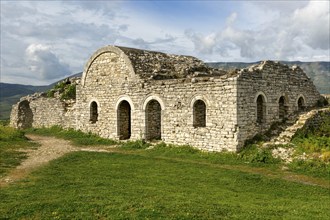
[
  {"x": 39, "y": 111},
  {"x": 175, "y": 100},
  {"x": 281, "y": 88}
]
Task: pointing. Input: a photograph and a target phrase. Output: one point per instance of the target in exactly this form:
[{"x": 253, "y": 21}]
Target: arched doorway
[
  {"x": 153, "y": 120},
  {"x": 124, "y": 120},
  {"x": 282, "y": 108},
  {"x": 261, "y": 109},
  {"x": 25, "y": 115},
  {"x": 301, "y": 104},
  {"x": 199, "y": 114}
]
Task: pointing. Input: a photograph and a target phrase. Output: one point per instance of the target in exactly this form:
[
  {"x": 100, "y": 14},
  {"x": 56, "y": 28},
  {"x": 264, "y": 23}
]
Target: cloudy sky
[{"x": 43, "y": 41}]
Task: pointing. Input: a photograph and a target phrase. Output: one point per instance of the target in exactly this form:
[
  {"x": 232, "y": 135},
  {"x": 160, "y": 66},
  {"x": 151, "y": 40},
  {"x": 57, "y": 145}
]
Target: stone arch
[
  {"x": 93, "y": 112},
  {"x": 25, "y": 115},
  {"x": 199, "y": 97},
  {"x": 260, "y": 93},
  {"x": 261, "y": 110},
  {"x": 124, "y": 120},
  {"x": 153, "y": 120},
  {"x": 301, "y": 103},
  {"x": 124, "y": 98},
  {"x": 155, "y": 97},
  {"x": 199, "y": 113},
  {"x": 282, "y": 107},
  {"x": 101, "y": 51}
]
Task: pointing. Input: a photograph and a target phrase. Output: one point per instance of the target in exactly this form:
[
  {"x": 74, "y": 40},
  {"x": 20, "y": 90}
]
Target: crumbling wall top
[{"x": 157, "y": 65}]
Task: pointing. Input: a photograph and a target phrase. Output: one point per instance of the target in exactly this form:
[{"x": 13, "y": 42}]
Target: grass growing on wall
[
  {"x": 78, "y": 138},
  {"x": 66, "y": 91}
]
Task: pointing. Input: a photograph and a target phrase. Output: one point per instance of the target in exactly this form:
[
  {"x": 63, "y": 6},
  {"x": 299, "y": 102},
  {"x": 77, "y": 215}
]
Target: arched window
[
  {"x": 153, "y": 120},
  {"x": 93, "y": 112},
  {"x": 124, "y": 120},
  {"x": 261, "y": 109},
  {"x": 282, "y": 108},
  {"x": 301, "y": 104},
  {"x": 199, "y": 114}
]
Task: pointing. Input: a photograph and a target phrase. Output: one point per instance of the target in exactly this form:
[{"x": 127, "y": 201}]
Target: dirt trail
[{"x": 52, "y": 148}]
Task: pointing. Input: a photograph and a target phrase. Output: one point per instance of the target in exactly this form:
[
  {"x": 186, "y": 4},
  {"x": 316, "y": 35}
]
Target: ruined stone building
[{"x": 131, "y": 94}]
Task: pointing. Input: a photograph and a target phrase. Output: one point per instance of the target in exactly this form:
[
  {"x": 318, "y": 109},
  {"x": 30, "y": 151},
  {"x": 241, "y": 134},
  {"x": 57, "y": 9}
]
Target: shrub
[
  {"x": 139, "y": 144},
  {"x": 51, "y": 93},
  {"x": 254, "y": 154},
  {"x": 323, "y": 101},
  {"x": 69, "y": 92}
]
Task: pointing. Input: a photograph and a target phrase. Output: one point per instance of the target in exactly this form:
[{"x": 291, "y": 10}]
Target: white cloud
[
  {"x": 223, "y": 31},
  {"x": 43, "y": 62},
  {"x": 303, "y": 32},
  {"x": 313, "y": 23}
]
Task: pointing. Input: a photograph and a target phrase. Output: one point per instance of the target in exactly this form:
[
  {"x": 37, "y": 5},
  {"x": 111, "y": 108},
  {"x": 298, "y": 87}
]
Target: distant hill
[
  {"x": 11, "y": 93},
  {"x": 319, "y": 72}
]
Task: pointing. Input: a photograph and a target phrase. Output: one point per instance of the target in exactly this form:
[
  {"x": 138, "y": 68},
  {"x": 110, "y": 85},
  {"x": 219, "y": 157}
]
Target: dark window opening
[
  {"x": 93, "y": 112},
  {"x": 124, "y": 120},
  {"x": 301, "y": 104},
  {"x": 261, "y": 109},
  {"x": 282, "y": 108},
  {"x": 153, "y": 120},
  {"x": 199, "y": 114}
]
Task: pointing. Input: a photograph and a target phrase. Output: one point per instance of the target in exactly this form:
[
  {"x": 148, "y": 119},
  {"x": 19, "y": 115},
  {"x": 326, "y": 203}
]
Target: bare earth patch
[{"x": 50, "y": 148}]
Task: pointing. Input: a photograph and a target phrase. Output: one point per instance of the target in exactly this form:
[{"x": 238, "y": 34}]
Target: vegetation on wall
[{"x": 65, "y": 90}]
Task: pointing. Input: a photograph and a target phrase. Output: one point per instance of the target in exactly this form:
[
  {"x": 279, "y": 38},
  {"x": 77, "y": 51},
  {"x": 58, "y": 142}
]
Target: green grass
[
  {"x": 12, "y": 142},
  {"x": 77, "y": 138},
  {"x": 251, "y": 155},
  {"x": 137, "y": 181},
  {"x": 85, "y": 185},
  {"x": 313, "y": 141}
]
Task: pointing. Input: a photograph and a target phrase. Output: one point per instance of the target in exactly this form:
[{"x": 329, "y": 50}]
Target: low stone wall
[
  {"x": 40, "y": 111},
  {"x": 319, "y": 120}
]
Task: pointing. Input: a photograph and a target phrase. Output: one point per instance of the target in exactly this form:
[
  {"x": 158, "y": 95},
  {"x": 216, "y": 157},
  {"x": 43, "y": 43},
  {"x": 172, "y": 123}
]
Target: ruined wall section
[
  {"x": 42, "y": 111},
  {"x": 272, "y": 80}
]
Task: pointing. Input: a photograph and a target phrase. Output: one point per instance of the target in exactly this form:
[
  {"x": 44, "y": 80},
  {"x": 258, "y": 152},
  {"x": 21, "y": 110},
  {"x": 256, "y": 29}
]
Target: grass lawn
[
  {"x": 12, "y": 142},
  {"x": 128, "y": 185}
]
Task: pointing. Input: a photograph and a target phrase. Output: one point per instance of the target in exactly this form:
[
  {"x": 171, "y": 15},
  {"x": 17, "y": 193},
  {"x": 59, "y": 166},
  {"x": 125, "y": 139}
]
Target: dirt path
[{"x": 52, "y": 148}]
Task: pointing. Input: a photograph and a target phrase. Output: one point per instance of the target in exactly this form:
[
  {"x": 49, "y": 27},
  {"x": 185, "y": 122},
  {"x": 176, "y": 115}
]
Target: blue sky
[{"x": 43, "y": 41}]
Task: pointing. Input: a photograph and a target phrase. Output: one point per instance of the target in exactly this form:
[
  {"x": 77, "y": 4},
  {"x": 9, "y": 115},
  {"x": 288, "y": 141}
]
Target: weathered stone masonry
[{"x": 136, "y": 94}]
